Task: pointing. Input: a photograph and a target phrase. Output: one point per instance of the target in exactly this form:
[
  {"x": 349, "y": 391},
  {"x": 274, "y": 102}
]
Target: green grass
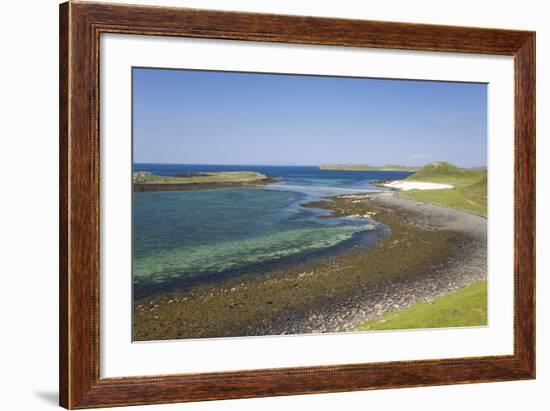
[
  {"x": 470, "y": 198},
  {"x": 469, "y": 192},
  {"x": 365, "y": 167},
  {"x": 465, "y": 307},
  {"x": 216, "y": 177}
]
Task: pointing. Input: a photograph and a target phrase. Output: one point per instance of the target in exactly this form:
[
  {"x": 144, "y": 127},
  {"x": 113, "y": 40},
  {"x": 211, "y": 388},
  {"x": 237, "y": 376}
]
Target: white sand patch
[
  {"x": 366, "y": 215},
  {"x": 416, "y": 185}
]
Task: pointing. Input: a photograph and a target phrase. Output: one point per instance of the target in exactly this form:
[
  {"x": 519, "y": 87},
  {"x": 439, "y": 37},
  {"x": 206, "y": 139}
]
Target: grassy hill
[
  {"x": 469, "y": 192},
  {"x": 365, "y": 167},
  {"x": 443, "y": 172}
]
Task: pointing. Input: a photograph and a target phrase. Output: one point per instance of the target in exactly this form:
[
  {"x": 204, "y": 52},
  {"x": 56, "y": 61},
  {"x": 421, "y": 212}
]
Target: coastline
[{"x": 430, "y": 251}]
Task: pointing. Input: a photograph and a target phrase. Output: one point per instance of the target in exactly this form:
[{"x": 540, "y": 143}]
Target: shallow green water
[{"x": 189, "y": 233}]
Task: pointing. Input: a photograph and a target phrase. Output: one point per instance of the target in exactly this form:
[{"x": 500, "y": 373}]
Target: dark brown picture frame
[{"x": 80, "y": 27}]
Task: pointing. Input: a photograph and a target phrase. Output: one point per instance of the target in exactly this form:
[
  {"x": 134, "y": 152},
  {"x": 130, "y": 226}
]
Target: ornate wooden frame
[{"x": 80, "y": 27}]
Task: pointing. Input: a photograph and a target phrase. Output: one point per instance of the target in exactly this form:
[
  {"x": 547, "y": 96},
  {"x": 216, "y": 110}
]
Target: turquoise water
[{"x": 203, "y": 235}]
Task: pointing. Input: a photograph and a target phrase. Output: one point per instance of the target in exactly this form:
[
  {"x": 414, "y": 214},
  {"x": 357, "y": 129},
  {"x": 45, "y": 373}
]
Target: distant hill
[
  {"x": 444, "y": 172},
  {"x": 365, "y": 167}
]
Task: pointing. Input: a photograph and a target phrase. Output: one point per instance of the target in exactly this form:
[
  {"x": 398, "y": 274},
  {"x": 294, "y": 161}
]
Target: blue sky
[{"x": 207, "y": 117}]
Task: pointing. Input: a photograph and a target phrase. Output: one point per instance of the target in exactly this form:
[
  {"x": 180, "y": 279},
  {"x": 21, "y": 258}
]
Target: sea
[{"x": 183, "y": 238}]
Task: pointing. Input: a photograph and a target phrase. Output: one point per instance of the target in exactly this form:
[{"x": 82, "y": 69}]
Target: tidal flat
[{"x": 428, "y": 251}]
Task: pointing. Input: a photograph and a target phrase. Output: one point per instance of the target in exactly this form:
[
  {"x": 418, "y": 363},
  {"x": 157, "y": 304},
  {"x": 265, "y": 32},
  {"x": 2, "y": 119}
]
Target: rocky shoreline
[
  {"x": 466, "y": 266},
  {"x": 430, "y": 251}
]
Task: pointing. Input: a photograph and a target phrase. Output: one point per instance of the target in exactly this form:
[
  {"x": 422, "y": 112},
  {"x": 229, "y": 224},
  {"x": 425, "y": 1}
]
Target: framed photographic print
[{"x": 257, "y": 205}]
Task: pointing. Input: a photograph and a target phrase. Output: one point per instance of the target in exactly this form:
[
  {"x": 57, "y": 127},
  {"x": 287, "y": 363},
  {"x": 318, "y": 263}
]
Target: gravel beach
[{"x": 464, "y": 267}]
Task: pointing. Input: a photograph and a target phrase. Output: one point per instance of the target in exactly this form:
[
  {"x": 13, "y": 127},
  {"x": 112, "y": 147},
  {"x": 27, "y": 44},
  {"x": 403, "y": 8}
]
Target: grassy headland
[
  {"x": 469, "y": 192},
  {"x": 365, "y": 167},
  {"x": 462, "y": 308},
  {"x": 146, "y": 181}
]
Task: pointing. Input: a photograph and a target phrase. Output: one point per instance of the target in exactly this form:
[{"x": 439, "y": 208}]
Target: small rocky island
[{"x": 146, "y": 181}]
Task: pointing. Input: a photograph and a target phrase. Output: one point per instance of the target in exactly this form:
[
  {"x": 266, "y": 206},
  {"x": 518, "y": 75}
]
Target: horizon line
[{"x": 301, "y": 165}]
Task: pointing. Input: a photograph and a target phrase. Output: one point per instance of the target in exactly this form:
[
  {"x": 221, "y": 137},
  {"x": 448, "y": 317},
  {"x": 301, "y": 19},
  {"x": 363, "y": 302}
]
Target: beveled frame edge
[{"x": 80, "y": 25}]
